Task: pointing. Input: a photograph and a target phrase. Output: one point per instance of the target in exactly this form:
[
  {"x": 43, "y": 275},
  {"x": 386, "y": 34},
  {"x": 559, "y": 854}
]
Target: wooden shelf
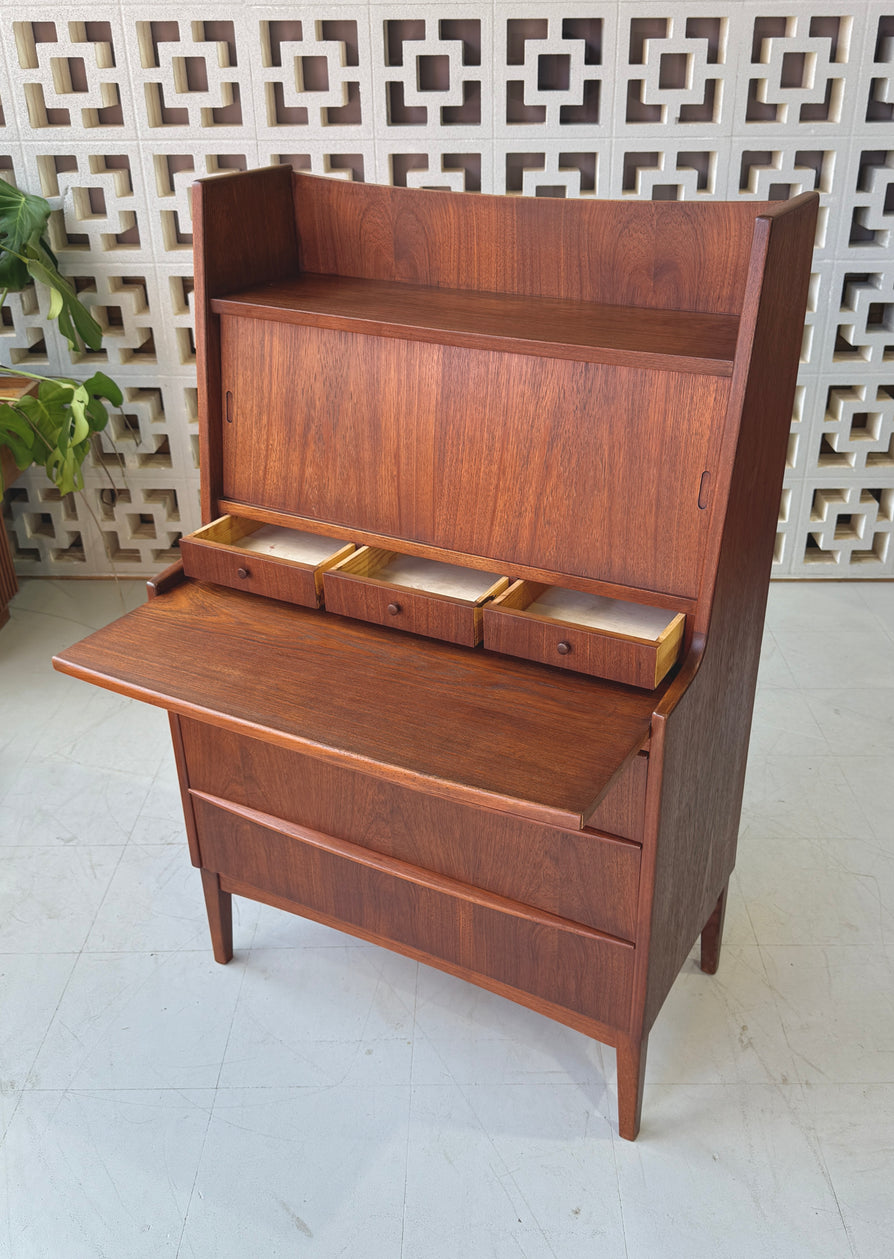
[
  {"x": 458, "y": 723},
  {"x": 679, "y": 341}
]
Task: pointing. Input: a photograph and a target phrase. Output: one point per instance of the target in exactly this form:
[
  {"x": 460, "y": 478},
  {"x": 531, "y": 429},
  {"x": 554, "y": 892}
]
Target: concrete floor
[{"x": 320, "y": 1096}]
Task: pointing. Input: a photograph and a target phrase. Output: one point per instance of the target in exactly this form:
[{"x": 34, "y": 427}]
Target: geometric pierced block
[
  {"x": 866, "y": 321},
  {"x": 798, "y": 70},
  {"x": 190, "y": 75},
  {"x": 669, "y": 176},
  {"x": 310, "y": 73},
  {"x": 99, "y": 206},
  {"x": 140, "y": 526},
  {"x": 70, "y": 72},
  {"x": 552, "y": 174},
  {"x": 872, "y": 218},
  {"x": 445, "y": 172},
  {"x": 554, "y": 72},
  {"x": 433, "y": 73},
  {"x": 858, "y": 428},
  {"x": 850, "y": 526},
  {"x": 682, "y": 78}
]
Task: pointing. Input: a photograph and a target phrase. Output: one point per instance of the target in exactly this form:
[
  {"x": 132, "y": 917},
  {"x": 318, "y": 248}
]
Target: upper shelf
[{"x": 627, "y": 336}]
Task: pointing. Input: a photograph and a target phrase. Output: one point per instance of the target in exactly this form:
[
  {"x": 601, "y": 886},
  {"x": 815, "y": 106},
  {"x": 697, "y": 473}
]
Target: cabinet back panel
[
  {"x": 545, "y": 462},
  {"x": 682, "y": 256}
]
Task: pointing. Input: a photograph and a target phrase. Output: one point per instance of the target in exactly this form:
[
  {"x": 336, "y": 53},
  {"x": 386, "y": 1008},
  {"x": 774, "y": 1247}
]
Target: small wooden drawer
[
  {"x": 263, "y": 559},
  {"x": 409, "y": 593},
  {"x": 625, "y": 642}
]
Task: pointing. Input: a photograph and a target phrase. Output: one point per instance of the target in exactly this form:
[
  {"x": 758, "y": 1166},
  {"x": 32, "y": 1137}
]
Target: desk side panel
[{"x": 701, "y": 733}]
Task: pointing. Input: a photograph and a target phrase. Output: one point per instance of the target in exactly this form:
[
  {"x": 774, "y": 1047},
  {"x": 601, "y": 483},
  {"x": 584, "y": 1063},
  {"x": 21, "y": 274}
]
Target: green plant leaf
[
  {"x": 22, "y": 217},
  {"x": 17, "y": 434},
  {"x": 102, "y": 386},
  {"x": 76, "y": 323},
  {"x": 55, "y": 308},
  {"x": 13, "y": 272},
  {"x": 55, "y": 426}
]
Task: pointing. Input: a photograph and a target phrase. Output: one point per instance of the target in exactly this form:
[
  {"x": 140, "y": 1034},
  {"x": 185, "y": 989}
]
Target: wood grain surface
[
  {"x": 585, "y": 650},
  {"x": 230, "y": 252},
  {"x": 587, "y": 394},
  {"x": 702, "y": 726},
  {"x": 398, "y": 607},
  {"x": 499, "y": 732},
  {"x": 250, "y": 571},
  {"x": 569, "y": 964},
  {"x": 671, "y": 255},
  {"x": 579, "y": 875},
  {"x": 678, "y": 341},
  {"x": 441, "y": 445}
]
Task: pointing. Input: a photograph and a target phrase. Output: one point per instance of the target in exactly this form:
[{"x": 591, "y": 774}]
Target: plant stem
[{"x": 17, "y": 371}]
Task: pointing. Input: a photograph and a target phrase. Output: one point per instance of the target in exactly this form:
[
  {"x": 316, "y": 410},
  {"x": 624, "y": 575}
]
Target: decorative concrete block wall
[{"x": 111, "y": 110}]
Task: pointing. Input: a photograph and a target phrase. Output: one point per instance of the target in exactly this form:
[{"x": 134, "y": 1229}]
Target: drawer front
[
  {"x": 247, "y": 570},
  {"x": 579, "y": 875},
  {"x": 435, "y": 616},
  {"x": 573, "y": 967},
  {"x": 584, "y": 650}
]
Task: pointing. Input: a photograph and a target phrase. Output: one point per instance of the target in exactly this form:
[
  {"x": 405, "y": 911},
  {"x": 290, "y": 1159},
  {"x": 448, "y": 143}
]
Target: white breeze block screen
[{"x": 113, "y": 110}]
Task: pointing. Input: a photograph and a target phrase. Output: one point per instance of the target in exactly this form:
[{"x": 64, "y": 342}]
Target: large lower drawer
[
  {"x": 569, "y": 965},
  {"x": 586, "y": 876}
]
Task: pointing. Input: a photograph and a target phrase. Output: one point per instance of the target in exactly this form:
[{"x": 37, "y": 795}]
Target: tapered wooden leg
[
  {"x": 220, "y": 916},
  {"x": 712, "y": 933},
  {"x": 631, "y": 1073}
]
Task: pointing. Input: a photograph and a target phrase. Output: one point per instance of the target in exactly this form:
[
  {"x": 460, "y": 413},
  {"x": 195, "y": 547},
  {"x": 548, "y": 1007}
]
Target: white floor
[{"x": 323, "y": 1097}]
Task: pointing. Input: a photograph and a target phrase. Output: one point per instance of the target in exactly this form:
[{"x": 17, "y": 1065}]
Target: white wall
[{"x": 115, "y": 108}]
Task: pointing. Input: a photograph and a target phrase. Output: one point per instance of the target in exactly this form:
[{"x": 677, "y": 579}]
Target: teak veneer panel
[
  {"x": 693, "y": 256},
  {"x": 503, "y": 733},
  {"x": 613, "y": 494},
  {"x": 682, "y": 341},
  {"x": 578, "y": 875},
  {"x": 563, "y": 962}
]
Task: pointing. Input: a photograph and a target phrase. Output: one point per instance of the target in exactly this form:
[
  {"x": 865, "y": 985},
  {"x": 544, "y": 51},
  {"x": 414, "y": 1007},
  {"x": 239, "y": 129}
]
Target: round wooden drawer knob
[
  {"x": 242, "y": 572},
  {"x": 563, "y": 648},
  {"x": 394, "y": 608}
]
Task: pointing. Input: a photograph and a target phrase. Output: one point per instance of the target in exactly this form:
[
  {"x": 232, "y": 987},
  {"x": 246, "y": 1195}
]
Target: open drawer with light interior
[
  {"x": 625, "y": 642},
  {"x": 270, "y": 560},
  {"x": 407, "y": 592}
]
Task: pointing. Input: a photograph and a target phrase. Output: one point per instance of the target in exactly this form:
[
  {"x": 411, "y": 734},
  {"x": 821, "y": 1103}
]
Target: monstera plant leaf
[
  {"x": 54, "y": 427},
  {"x": 26, "y": 256}
]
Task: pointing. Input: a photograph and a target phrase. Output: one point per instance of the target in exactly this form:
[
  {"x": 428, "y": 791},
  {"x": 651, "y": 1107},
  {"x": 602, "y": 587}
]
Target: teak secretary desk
[{"x": 430, "y": 419}]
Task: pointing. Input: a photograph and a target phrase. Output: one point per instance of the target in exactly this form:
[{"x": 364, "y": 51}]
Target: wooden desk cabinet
[{"x": 428, "y": 420}]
